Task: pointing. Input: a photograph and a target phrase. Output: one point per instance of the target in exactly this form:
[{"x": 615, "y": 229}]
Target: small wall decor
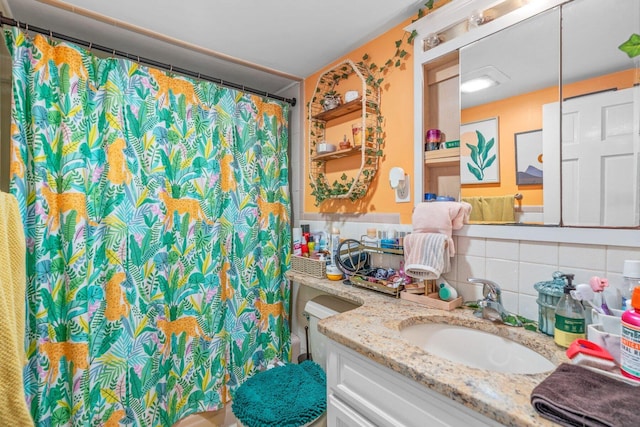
[
  {"x": 479, "y": 152},
  {"x": 528, "y": 157}
]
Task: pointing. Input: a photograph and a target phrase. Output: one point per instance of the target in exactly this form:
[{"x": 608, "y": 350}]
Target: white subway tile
[
  {"x": 503, "y": 272},
  {"x": 582, "y": 256},
  {"x": 530, "y": 274},
  {"x": 617, "y": 255},
  {"x": 539, "y": 252},
  {"x": 528, "y": 307},
  {"x": 469, "y": 291},
  {"x": 503, "y": 249},
  {"x": 471, "y": 246},
  {"x": 510, "y": 301},
  {"x": 471, "y": 266},
  {"x": 581, "y": 275}
]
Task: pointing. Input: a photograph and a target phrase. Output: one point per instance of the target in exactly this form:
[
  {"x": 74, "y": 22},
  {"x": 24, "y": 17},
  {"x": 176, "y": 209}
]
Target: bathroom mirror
[
  {"x": 520, "y": 66},
  {"x": 587, "y": 144}
]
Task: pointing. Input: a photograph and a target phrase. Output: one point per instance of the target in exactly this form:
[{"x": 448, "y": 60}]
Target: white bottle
[
  {"x": 335, "y": 242},
  {"x": 297, "y": 241},
  {"x": 446, "y": 292}
]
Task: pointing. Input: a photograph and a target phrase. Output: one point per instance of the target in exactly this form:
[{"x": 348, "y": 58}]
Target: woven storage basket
[{"x": 310, "y": 266}]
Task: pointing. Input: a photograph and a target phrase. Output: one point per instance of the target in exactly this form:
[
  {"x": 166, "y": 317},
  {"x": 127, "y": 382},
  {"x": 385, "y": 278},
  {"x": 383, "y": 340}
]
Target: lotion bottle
[
  {"x": 569, "y": 317},
  {"x": 630, "y": 339}
]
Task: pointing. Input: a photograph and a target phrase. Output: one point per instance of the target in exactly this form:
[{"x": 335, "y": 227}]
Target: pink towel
[
  {"x": 441, "y": 217},
  {"x": 425, "y": 255}
]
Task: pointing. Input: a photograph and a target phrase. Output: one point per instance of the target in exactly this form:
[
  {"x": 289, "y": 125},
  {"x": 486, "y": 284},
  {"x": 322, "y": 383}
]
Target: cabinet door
[
  {"x": 339, "y": 414},
  {"x": 390, "y": 399}
]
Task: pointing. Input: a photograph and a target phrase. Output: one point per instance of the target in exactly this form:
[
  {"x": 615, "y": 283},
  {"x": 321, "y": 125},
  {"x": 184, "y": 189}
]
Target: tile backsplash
[{"x": 516, "y": 265}]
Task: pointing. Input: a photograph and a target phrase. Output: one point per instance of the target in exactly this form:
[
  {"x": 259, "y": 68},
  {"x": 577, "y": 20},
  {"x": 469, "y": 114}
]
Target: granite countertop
[{"x": 373, "y": 330}]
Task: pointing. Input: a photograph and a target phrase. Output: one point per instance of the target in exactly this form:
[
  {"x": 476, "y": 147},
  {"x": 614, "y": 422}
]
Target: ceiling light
[{"x": 479, "y": 83}]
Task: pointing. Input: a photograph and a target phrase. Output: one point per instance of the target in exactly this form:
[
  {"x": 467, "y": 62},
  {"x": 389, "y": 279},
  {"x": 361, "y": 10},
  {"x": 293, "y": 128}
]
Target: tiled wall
[{"x": 516, "y": 265}]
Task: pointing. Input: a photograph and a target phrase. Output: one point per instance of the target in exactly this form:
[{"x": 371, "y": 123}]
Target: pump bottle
[
  {"x": 630, "y": 339},
  {"x": 569, "y": 317}
]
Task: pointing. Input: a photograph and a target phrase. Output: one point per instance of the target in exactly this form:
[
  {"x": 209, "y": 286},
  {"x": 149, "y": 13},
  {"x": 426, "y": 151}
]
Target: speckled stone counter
[{"x": 373, "y": 330}]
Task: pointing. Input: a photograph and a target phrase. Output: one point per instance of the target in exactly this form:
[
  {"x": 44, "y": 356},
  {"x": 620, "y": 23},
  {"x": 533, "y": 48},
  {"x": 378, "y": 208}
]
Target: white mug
[{"x": 350, "y": 95}]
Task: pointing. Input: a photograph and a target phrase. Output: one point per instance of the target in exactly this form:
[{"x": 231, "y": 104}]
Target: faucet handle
[{"x": 490, "y": 290}]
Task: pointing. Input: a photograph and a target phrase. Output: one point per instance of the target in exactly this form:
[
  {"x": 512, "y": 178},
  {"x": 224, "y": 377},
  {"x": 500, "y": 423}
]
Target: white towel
[{"x": 425, "y": 255}]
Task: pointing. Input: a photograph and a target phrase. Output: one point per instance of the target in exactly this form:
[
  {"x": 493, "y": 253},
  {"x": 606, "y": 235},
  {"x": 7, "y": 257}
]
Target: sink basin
[{"x": 476, "y": 349}]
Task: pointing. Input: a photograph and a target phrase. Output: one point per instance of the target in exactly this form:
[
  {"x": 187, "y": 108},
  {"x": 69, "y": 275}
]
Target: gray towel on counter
[{"x": 576, "y": 396}]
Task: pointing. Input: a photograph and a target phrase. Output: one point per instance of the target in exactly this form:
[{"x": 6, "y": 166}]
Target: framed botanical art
[
  {"x": 479, "y": 162},
  {"x": 528, "y": 157}
]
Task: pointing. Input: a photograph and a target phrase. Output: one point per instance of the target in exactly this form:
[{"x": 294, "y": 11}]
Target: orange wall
[
  {"x": 524, "y": 113},
  {"x": 396, "y": 105}
]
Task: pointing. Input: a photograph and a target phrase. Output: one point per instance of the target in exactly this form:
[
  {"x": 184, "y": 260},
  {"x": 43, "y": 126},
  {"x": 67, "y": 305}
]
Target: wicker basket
[{"x": 310, "y": 266}]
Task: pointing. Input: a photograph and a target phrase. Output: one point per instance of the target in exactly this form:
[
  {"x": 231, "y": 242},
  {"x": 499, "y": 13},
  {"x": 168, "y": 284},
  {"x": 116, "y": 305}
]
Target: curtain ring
[
  {"x": 26, "y": 27},
  {"x": 50, "y": 34},
  {"x": 113, "y": 53},
  {"x": 138, "y": 59},
  {"x": 198, "y": 76},
  {"x": 171, "y": 68},
  {"x": 90, "y": 45}
]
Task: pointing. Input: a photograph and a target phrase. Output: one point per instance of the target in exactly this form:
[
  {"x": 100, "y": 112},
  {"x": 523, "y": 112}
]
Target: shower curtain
[{"x": 156, "y": 212}]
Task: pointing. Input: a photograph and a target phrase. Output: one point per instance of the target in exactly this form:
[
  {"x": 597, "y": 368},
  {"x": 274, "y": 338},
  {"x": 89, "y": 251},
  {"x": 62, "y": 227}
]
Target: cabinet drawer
[
  {"x": 339, "y": 414},
  {"x": 386, "y": 398}
]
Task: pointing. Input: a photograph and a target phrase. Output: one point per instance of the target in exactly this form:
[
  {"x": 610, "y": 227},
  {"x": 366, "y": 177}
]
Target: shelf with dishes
[
  {"x": 342, "y": 110},
  {"x": 362, "y": 110},
  {"x": 338, "y": 154}
]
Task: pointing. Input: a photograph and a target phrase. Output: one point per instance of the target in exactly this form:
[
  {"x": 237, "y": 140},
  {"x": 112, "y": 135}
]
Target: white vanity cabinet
[{"x": 363, "y": 393}]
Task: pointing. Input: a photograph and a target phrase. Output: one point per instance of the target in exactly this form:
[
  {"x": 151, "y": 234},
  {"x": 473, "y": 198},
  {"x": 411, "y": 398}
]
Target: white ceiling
[{"x": 294, "y": 38}]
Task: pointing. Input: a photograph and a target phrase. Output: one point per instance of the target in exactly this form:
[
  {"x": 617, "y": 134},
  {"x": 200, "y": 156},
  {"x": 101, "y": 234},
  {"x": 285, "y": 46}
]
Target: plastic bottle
[
  {"x": 446, "y": 292},
  {"x": 335, "y": 242},
  {"x": 297, "y": 241},
  {"x": 370, "y": 239},
  {"x": 569, "y": 317},
  {"x": 631, "y": 279},
  {"x": 630, "y": 339}
]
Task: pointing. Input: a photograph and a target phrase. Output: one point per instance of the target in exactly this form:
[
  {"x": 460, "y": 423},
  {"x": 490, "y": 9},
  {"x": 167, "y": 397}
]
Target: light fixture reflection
[{"x": 477, "y": 84}]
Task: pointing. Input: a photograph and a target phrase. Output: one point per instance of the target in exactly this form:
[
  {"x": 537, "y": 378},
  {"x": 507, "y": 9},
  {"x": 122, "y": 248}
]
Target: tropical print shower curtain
[{"x": 156, "y": 213}]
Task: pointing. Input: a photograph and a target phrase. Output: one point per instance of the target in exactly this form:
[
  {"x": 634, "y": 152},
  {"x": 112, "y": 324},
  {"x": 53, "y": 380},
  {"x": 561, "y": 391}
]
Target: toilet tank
[{"x": 318, "y": 308}]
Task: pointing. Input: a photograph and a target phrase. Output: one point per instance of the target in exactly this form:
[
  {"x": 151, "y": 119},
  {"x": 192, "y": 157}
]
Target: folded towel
[
  {"x": 476, "y": 207},
  {"x": 285, "y": 396},
  {"x": 13, "y": 406},
  {"x": 495, "y": 209},
  {"x": 576, "y": 396},
  {"x": 440, "y": 217},
  {"x": 425, "y": 255}
]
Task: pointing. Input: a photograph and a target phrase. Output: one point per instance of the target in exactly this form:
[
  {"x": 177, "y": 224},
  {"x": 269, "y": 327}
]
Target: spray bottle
[{"x": 569, "y": 322}]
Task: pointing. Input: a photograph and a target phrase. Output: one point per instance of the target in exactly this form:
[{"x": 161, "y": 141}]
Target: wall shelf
[
  {"x": 439, "y": 157},
  {"x": 366, "y": 146},
  {"x": 338, "y": 154}
]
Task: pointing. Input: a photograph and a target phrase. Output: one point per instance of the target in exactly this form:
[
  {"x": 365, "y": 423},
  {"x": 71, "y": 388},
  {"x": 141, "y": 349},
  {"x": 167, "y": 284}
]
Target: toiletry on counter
[
  {"x": 297, "y": 241},
  {"x": 334, "y": 242},
  {"x": 630, "y": 340},
  {"x": 569, "y": 317},
  {"x": 446, "y": 292}
]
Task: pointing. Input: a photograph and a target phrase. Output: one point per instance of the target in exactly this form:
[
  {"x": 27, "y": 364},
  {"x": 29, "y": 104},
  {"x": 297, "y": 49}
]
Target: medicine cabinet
[{"x": 583, "y": 63}]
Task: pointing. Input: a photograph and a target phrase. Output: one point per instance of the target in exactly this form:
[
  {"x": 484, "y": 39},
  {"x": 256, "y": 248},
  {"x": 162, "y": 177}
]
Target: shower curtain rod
[{"x": 12, "y": 22}]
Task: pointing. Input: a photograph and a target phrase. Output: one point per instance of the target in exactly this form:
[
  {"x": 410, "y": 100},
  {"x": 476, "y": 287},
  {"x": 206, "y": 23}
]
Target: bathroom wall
[{"x": 516, "y": 265}]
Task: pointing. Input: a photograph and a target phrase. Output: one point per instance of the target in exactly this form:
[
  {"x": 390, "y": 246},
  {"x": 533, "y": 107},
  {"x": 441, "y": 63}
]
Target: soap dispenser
[{"x": 569, "y": 316}]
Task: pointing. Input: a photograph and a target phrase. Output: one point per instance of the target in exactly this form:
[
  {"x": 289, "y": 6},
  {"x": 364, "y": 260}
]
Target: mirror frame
[{"x": 441, "y": 19}]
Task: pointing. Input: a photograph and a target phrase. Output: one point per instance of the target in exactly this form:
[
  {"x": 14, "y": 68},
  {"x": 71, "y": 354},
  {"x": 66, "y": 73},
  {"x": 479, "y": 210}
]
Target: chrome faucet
[{"x": 490, "y": 306}]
